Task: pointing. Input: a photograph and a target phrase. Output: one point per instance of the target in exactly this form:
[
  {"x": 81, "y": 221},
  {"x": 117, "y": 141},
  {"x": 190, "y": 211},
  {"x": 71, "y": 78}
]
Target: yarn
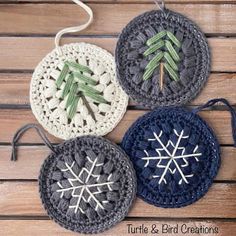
[
  {"x": 86, "y": 184},
  {"x": 50, "y": 110},
  {"x": 180, "y": 55},
  {"x": 175, "y": 153},
  {"x": 74, "y": 90}
]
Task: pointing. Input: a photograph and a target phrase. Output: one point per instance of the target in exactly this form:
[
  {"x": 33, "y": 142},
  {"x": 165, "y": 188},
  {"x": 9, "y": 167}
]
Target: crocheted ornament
[
  {"x": 74, "y": 90},
  {"x": 162, "y": 59},
  {"x": 175, "y": 154},
  {"x": 86, "y": 184}
]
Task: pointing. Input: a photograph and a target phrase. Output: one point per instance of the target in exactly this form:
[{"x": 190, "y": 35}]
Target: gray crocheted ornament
[
  {"x": 86, "y": 184},
  {"x": 162, "y": 59}
]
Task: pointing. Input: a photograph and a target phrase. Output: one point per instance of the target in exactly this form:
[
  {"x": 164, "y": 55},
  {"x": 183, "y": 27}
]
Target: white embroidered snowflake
[
  {"x": 165, "y": 153},
  {"x": 80, "y": 189}
]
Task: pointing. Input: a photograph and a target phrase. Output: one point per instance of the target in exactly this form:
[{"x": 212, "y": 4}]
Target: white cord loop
[
  {"x": 75, "y": 28},
  {"x": 160, "y": 4}
]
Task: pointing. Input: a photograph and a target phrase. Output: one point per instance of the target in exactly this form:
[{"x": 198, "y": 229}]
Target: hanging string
[
  {"x": 20, "y": 132},
  {"x": 231, "y": 109},
  {"x": 160, "y": 4},
  {"x": 75, "y": 28}
]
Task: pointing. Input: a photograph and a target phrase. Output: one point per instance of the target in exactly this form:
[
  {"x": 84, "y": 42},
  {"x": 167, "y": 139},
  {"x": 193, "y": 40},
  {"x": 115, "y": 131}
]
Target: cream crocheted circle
[{"x": 49, "y": 108}]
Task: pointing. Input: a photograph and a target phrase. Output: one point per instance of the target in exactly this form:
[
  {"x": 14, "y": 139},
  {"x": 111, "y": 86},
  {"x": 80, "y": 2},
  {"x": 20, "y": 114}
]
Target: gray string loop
[
  {"x": 160, "y": 4},
  {"x": 21, "y": 131}
]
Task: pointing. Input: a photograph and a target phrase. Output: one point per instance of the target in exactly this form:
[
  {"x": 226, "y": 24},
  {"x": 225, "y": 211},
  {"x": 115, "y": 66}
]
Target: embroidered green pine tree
[
  {"x": 78, "y": 89},
  {"x": 166, "y": 57}
]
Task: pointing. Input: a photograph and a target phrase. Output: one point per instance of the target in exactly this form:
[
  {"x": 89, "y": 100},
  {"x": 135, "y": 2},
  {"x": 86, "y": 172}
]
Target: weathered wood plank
[
  {"x": 22, "y": 198},
  {"x": 25, "y": 53},
  {"x": 170, "y": 1},
  {"x": 122, "y": 1},
  {"x": 48, "y": 227},
  {"x": 32, "y": 157},
  {"x": 11, "y": 120},
  {"x": 14, "y": 88},
  {"x": 20, "y": 53},
  {"x": 109, "y": 18}
]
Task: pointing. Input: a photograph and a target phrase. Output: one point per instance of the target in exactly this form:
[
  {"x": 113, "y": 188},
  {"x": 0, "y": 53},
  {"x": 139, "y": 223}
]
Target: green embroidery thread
[
  {"x": 78, "y": 86},
  {"x": 166, "y": 57}
]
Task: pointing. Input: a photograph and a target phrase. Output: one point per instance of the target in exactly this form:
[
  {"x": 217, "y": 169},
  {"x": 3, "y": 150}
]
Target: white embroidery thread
[
  {"x": 83, "y": 186},
  {"x": 171, "y": 157}
]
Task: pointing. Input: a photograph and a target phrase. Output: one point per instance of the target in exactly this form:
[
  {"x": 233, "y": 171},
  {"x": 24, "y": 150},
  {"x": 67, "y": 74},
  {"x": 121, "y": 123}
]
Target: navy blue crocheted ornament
[{"x": 175, "y": 153}]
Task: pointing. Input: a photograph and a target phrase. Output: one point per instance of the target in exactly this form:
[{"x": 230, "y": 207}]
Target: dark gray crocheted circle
[
  {"x": 88, "y": 185},
  {"x": 193, "y": 67}
]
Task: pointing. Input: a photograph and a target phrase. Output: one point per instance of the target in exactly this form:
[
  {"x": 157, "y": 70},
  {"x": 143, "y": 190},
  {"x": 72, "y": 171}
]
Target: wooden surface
[
  {"x": 35, "y": 48},
  {"x": 43, "y": 227},
  {"x": 27, "y": 29},
  {"x": 28, "y": 168},
  {"x": 109, "y": 19}
]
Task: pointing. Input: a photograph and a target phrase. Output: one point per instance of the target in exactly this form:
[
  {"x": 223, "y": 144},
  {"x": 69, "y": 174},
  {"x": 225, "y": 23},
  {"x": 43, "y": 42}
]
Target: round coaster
[
  {"x": 88, "y": 185},
  {"x": 76, "y": 92},
  {"x": 162, "y": 59},
  {"x": 175, "y": 154}
]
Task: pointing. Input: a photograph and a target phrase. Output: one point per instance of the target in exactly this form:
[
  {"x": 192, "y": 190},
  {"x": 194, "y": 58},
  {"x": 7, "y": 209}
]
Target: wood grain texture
[
  {"x": 14, "y": 88},
  {"x": 167, "y": 1},
  {"x": 121, "y": 1},
  {"x": 109, "y": 18},
  {"x": 20, "y": 53},
  {"x": 30, "y": 159},
  {"x": 22, "y": 198},
  {"x": 48, "y": 227},
  {"x": 11, "y": 120},
  {"x": 37, "y": 21}
]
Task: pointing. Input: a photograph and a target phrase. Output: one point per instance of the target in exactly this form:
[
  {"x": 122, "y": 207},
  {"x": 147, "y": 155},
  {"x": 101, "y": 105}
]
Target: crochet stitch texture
[
  {"x": 175, "y": 154},
  {"x": 87, "y": 185},
  {"x": 190, "y": 73},
  {"x": 50, "y": 109}
]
